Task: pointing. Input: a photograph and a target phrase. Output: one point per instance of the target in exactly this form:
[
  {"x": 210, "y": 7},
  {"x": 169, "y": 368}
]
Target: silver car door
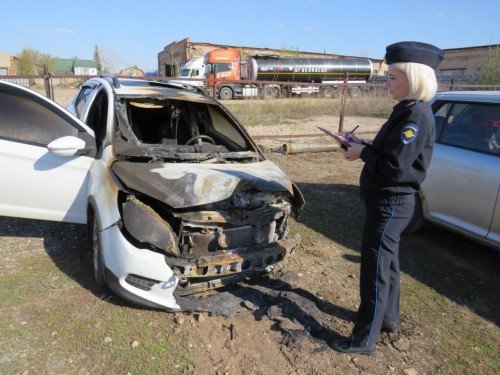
[
  {"x": 462, "y": 181},
  {"x": 494, "y": 233}
]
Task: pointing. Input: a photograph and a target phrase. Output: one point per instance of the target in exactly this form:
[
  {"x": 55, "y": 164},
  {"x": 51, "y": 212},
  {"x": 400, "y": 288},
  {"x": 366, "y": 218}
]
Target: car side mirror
[{"x": 68, "y": 146}]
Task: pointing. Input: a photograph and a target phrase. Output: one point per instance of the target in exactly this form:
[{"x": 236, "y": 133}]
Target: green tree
[
  {"x": 31, "y": 62},
  {"x": 490, "y": 70},
  {"x": 97, "y": 59}
]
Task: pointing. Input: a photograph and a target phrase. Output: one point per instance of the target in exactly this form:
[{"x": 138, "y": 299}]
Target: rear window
[{"x": 473, "y": 126}]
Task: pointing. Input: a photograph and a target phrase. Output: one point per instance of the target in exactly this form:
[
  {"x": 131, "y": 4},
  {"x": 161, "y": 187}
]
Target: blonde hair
[{"x": 422, "y": 81}]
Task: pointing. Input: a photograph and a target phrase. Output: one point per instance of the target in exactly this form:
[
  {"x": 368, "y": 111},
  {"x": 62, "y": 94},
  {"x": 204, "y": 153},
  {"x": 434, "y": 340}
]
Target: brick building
[
  {"x": 466, "y": 63},
  {"x": 7, "y": 64}
]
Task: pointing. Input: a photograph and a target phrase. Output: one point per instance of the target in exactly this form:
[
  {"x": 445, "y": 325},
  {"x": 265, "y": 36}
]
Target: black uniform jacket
[{"x": 397, "y": 160}]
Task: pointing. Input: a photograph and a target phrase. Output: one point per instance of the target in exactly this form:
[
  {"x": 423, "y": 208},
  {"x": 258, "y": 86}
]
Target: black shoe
[
  {"x": 389, "y": 327},
  {"x": 346, "y": 346}
]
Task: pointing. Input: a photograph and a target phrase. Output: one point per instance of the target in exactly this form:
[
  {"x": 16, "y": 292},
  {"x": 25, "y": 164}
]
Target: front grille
[{"x": 234, "y": 238}]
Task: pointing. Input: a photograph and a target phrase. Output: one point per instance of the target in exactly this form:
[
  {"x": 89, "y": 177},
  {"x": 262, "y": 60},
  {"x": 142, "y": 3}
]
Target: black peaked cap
[{"x": 416, "y": 52}]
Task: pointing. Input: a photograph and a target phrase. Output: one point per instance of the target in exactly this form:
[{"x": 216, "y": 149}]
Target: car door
[
  {"x": 463, "y": 179},
  {"x": 494, "y": 233},
  {"x": 38, "y": 183}
]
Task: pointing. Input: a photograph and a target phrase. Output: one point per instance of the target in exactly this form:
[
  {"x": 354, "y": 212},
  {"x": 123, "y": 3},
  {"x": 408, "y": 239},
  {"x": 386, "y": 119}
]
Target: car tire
[
  {"x": 417, "y": 220},
  {"x": 97, "y": 254}
]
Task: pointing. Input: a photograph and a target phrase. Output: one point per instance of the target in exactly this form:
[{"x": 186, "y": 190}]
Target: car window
[
  {"x": 82, "y": 99},
  {"x": 26, "y": 119},
  {"x": 97, "y": 115},
  {"x": 472, "y": 126},
  {"x": 178, "y": 122},
  {"x": 221, "y": 124}
]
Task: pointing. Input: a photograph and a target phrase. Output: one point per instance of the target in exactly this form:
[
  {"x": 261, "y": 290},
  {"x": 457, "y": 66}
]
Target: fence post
[
  {"x": 46, "y": 82},
  {"x": 342, "y": 103}
]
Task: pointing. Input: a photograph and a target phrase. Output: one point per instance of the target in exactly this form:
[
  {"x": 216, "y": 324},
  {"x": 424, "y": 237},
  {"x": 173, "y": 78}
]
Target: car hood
[{"x": 186, "y": 185}]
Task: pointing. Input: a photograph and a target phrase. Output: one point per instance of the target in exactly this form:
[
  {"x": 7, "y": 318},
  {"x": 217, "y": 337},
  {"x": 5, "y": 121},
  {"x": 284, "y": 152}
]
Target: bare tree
[{"x": 110, "y": 59}]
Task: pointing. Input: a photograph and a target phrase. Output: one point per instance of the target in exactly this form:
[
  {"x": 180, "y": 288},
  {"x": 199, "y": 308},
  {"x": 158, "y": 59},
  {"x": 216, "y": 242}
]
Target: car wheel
[
  {"x": 98, "y": 257},
  {"x": 417, "y": 220}
]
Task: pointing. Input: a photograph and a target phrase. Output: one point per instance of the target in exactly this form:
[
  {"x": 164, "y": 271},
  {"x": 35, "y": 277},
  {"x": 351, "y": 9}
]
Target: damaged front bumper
[
  {"x": 203, "y": 273},
  {"x": 143, "y": 276}
]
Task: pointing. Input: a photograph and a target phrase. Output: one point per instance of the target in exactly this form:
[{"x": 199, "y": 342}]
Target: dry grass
[{"x": 283, "y": 111}]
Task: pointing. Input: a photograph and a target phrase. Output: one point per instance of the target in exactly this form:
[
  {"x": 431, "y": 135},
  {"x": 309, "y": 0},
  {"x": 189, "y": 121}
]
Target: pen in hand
[{"x": 348, "y": 134}]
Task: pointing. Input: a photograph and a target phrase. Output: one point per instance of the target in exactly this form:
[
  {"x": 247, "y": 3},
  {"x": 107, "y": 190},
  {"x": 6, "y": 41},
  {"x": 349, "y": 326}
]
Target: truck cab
[
  {"x": 193, "y": 69},
  {"x": 223, "y": 65}
]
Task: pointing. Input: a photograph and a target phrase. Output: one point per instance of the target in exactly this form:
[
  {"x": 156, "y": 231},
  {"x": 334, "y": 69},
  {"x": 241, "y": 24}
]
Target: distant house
[
  {"x": 7, "y": 64},
  {"x": 133, "y": 71},
  {"x": 73, "y": 66}
]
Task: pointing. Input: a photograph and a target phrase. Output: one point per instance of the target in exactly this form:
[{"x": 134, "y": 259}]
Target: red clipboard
[{"x": 344, "y": 143}]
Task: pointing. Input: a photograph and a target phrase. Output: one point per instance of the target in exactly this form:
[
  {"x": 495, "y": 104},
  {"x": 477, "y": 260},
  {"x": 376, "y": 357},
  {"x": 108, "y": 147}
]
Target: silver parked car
[
  {"x": 177, "y": 196},
  {"x": 462, "y": 188}
]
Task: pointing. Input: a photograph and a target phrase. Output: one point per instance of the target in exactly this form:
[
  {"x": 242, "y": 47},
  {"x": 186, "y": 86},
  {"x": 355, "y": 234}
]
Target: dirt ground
[
  {"x": 292, "y": 319},
  {"x": 285, "y": 324}
]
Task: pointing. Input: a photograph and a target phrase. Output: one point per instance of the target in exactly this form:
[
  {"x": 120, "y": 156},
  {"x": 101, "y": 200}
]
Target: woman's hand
[
  {"x": 353, "y": 152},
  {"x": 352, "y": 137}
]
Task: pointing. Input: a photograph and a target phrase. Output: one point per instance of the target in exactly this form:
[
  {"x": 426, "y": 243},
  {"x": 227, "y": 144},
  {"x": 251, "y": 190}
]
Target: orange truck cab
[{"x": 221, "y": 65}]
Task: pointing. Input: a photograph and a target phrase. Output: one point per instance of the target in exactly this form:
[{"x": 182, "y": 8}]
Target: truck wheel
[
  {"x": 225, "y": 93},
  {"x": 269, "y": 93},
  {"x": 330, "y": 92},
  {"x": 354, "y": 92}
]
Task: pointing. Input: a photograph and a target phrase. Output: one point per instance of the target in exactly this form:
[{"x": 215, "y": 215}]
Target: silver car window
[{"x": 469, "y": 125}]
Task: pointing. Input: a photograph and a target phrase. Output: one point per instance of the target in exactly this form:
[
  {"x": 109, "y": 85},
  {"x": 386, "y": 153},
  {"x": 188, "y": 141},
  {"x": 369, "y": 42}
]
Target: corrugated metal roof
[{"x": 65, "y": 66}]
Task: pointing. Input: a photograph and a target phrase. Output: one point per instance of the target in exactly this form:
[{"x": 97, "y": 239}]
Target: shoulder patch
[{"x": 409, "y": 133}]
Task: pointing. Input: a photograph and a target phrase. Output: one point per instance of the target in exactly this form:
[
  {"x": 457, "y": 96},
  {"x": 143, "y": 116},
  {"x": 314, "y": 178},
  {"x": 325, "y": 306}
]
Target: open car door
[{"x": 45, "y": 157}]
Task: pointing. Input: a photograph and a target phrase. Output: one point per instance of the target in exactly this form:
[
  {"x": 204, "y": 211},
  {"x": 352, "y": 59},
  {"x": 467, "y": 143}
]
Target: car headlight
[{"x": 145, "y": 225}]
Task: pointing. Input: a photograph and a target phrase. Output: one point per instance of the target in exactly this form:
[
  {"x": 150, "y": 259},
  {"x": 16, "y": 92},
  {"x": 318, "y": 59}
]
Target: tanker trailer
[
  {"x": 267, "y": 76},
  {"x": 332, "y": 71}
]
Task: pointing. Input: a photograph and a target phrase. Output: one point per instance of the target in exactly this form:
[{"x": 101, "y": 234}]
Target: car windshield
[{"x": 157, "y": 129}]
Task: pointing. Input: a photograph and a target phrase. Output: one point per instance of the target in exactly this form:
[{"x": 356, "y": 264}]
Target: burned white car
[{"x": 177, "y": 196}]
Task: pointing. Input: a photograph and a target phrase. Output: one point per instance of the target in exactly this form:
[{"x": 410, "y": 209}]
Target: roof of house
[
  {"x": 132, "y": 71},
  {"x": 65, "y": 66}
]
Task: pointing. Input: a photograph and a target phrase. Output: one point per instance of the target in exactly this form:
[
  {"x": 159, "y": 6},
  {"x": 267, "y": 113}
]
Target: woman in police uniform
[{"x": 395, "y": 165}]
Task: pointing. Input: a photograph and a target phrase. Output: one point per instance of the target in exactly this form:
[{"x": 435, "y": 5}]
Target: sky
[{"x": 132, "y": 33}]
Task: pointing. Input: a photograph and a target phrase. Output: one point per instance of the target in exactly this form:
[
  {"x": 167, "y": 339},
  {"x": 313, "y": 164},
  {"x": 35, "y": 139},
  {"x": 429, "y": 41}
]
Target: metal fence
[{"x": 18, "y": 81}]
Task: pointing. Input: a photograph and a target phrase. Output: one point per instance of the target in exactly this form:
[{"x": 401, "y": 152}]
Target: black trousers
[{"x": 379, "y": 280}]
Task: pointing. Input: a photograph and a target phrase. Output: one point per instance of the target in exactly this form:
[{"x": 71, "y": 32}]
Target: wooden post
[
  {"x": 46, "y": 82},
  {"x": 343, "y": 95}
]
